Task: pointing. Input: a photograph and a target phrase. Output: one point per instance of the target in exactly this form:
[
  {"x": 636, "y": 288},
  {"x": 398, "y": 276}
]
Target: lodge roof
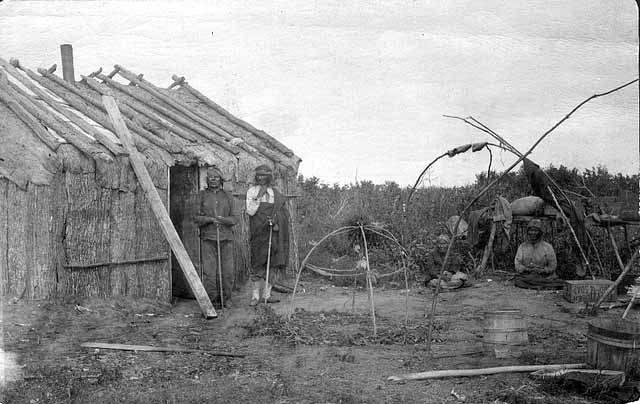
[{"x": 177, "y": 125}]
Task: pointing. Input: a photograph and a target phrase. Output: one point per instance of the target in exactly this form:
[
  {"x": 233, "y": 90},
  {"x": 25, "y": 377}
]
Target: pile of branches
[{"x": 333, "y": 328}]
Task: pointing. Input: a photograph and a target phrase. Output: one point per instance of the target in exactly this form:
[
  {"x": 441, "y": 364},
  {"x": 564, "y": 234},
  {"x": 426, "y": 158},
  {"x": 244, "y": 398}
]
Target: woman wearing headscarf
[{"x": 535, "y": 261}]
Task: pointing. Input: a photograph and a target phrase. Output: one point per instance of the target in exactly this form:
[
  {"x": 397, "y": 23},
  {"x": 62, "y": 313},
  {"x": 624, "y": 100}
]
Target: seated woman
[
  {"x": 535, "y": 261},
  {"x": 453, "y": 277}
]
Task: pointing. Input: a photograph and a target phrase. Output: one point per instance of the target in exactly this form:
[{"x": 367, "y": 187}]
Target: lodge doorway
[{"x": 184, "y": 184}]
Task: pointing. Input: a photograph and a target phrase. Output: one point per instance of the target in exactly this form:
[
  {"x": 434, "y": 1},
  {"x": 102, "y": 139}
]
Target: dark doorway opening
[{"x": 184, "y": 184}]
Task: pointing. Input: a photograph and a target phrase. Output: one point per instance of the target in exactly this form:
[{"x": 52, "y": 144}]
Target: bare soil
[{"x": 326, "y": 354}]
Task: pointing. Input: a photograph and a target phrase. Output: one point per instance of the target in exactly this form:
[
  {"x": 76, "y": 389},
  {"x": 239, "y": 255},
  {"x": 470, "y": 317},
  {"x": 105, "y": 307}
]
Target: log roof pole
[
  {"x": 93, "y": 99},
  {"x": 81, "y": 141},
  {"x": 159, "y": 209},
  {"x": 174, "y": 143},
  {"x": 168, "y": 118},
  {"x": 145, "y": 111},
  {"x": 270, "y": 140},
  {"x": 66, "y": 53},
  {"x": 78, "y": 121},
  {"x": 150, "y": 88},
  {"x": 175, "y": 116},
  {"x": 81, "y": 104},
  {"x": 47, "y": 138}
]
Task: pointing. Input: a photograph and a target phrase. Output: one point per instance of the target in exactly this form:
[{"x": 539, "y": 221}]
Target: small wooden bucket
[
  {"x": 614, "y": 345},
  {"x": 505, "y": 332}
]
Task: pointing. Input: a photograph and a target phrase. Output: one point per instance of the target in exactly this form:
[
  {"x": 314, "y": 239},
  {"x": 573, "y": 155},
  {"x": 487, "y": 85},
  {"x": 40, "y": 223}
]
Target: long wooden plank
[
  {"x": 436, "y": 374},
  {"x": 159, "y": 209},
  {"x": 149, "y": 348}
]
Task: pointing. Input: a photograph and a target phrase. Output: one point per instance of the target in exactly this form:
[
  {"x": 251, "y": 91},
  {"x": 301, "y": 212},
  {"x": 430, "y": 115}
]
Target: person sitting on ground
[
  {"x": 453, "y": 277},
  {"x": 535, "y": 261}
]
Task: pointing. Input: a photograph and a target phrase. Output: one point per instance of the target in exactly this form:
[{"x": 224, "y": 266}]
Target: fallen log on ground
[
  {"x": 148, "y": 348},
  {"x": 436, "y": 374}
]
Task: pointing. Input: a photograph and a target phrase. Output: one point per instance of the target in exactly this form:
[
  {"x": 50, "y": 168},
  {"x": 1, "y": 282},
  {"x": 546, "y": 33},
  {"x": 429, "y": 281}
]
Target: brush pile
[{"x": 334, "y": 328}]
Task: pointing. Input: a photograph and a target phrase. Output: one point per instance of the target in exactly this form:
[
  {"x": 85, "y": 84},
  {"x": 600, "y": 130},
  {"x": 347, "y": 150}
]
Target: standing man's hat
[{"x": 264, "y": 170}]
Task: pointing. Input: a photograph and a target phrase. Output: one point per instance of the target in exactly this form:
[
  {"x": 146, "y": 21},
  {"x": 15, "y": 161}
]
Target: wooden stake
[
  {"x": 369, "y": 284},
  {"x": 158, "y": 208}
]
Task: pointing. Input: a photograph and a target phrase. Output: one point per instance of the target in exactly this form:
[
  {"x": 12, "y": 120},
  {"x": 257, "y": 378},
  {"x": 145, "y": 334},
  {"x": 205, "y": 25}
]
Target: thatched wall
[{"x": 76, "y": 235}]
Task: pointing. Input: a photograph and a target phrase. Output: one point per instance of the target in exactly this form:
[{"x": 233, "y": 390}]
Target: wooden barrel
[
  {"x": 505, "y": 333},
  {"x": 614, "y": 345}
]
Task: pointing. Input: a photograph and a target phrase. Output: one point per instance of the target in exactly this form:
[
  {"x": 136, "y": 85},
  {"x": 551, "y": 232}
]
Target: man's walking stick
[
  {"x": 215, "y": 213},
  {"x": 200, "y": 255},
  {"x": 266, "y": 277}
]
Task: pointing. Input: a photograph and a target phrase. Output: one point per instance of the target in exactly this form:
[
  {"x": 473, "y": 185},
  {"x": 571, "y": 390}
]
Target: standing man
[
  {"x": 535, "y": 261},
  {"x": 269, "y": 234},
  {"x": 216, "y": 217}
]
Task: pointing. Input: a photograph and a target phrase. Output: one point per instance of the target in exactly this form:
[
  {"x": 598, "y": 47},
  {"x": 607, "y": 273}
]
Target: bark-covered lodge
[{"x": 75, "y": 220}]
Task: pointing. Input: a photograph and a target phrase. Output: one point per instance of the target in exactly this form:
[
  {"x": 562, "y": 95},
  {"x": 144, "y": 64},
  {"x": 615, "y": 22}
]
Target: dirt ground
[{"x": 327, "y": 354}]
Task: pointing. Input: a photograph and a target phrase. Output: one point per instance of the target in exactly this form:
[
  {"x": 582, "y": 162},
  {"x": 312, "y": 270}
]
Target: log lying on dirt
[
  {"x": 148, "y": 348},
  {"x": 436, "y": 374}
]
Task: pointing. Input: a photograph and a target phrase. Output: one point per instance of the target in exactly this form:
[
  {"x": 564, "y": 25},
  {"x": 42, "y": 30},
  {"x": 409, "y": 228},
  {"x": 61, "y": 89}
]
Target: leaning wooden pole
[
  {"x": 616, "y": 250},
  {"x": 615, "y": 284},
  {"x": 488, "y": 249},
  {"x": 158, "y": 208},
  {"x": 573, "y": 233}
]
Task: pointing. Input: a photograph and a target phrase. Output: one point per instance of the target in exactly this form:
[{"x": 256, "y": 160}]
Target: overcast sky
[{"x": 360, "y": 87}]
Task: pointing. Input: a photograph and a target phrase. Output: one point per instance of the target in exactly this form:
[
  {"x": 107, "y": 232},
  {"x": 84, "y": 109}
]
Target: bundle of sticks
[{"x": 633, "y": 291}]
